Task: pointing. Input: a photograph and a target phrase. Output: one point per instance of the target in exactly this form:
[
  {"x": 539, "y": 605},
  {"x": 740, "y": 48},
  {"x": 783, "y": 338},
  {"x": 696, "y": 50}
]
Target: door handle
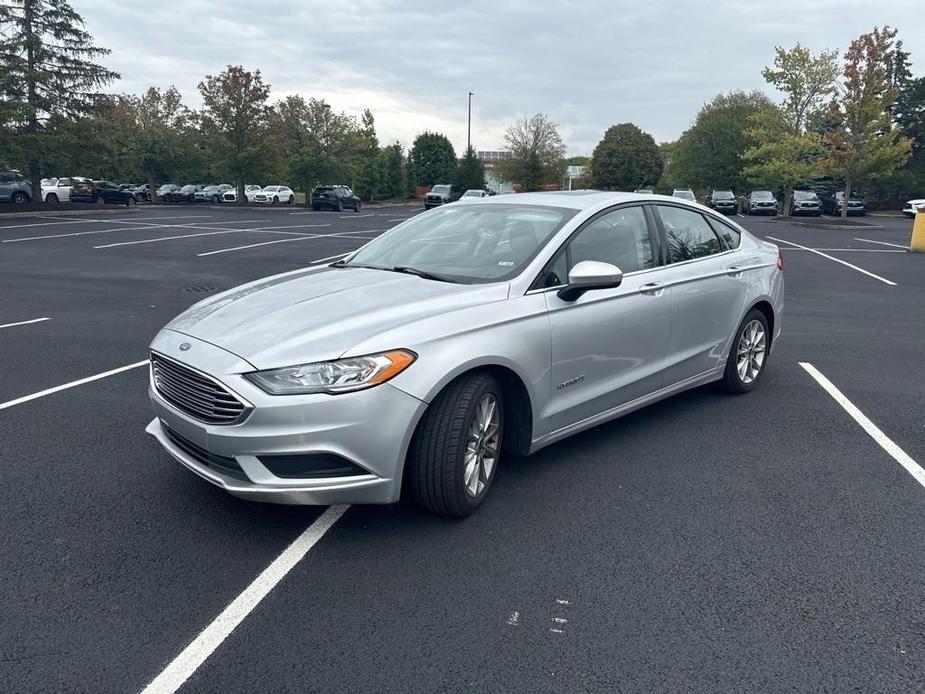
[
  {"x": 652, "y": 288},
  {"x": 734, "y": 270}
]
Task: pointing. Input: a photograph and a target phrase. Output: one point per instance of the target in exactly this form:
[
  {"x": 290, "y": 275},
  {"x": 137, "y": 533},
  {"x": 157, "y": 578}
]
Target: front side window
[
  {"x": 467, "y": 243},
  {"x": 688, "y": 235},
  {"x": 620, "y": 238}
]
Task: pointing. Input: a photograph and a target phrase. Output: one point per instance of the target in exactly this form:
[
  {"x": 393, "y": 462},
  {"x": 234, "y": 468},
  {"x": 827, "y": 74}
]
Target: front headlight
[{"x": 339, "y": 376}]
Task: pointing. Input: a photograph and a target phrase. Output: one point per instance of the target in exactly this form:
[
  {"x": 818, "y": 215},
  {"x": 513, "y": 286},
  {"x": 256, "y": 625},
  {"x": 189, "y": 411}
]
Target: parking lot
[{"x": 768, "y": 542}]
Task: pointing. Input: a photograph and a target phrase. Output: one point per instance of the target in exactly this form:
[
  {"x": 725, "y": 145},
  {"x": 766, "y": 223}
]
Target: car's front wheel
[
  {"x": 749, "y": 353},
  {"x": 356, "y": 207},
  {"x": 457, "y": 446},
  {"x": 130, "y": 202},
  {"x": 20, "y": 198},
  {"x": 52, "y": 198}
]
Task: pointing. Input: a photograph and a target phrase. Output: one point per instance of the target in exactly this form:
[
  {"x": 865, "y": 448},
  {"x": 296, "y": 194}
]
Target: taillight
[{"x": 780, "y": 261}]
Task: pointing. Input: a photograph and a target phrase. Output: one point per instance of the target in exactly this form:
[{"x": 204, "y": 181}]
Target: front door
[{"x": 609, "y": 345}]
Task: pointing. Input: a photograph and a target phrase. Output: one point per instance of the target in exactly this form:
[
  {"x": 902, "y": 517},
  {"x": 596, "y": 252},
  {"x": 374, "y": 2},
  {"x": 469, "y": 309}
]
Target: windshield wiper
[{"x": 408, "y": 270}]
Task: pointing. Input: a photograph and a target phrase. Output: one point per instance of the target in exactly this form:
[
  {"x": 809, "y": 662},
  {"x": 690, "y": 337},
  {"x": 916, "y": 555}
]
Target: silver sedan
[{"x": 465, "y": 333}]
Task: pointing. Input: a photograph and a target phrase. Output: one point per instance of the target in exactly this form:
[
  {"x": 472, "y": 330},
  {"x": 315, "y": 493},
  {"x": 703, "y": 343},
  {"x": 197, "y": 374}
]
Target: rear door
[
  {"x": 708, "y": 292},
  {"x": 609, "y": 345}
]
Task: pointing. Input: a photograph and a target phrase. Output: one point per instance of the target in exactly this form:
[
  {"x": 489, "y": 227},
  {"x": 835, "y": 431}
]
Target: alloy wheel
[
  {"x": 751, "y": 351},
  {"x": 482, "y": 445}
]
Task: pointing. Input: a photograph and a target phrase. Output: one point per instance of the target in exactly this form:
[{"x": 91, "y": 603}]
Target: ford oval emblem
[{"x": 184, "y": 346}]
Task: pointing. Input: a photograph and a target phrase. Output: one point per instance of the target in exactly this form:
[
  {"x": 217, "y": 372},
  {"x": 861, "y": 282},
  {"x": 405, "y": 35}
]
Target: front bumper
[{"x": 371, "y": 428}]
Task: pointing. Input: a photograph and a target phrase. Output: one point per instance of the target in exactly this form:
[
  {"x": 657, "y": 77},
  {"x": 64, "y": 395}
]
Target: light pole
[{"x": 469, "y": 126}]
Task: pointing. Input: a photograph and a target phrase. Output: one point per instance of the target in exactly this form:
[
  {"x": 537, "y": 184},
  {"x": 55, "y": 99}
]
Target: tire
[
  {"x": 316, "y": 208},
  {"x": 99, "y": 200},
  {"x": 340, "y": 205},
  {"x": 130, "y": 202},
  {"x": 52, "y": 198},
  {"x": 290, "y": 200},
  {"x": 741, "y": 378},
  {"x": 20, "y": 198},
  {"x": 437, "y": 465},
  {"x": 275, "y": 200},
  {"x": 215, "y": 200},
  {"x": 357, "y": 206}
]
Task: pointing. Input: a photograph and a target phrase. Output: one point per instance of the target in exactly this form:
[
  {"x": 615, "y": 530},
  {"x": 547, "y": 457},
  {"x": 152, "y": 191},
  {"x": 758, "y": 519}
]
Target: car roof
[{"x": 574, "y": 199}]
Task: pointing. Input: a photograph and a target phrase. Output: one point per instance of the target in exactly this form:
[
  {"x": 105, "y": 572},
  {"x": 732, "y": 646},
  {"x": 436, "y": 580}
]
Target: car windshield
[
  {"x": 49, "y": 182},
  {"x": 804, "y": 195},
  {"x": 440, "y": 189},
  {"x": 762, "y": 195},
  {"x": 271, "y": 189},
  {"x": 188, "y": 189},
  {"x": 468, "y": 244},
  {"x": 685, "y": 194},
  {"x": 723, "y": 195}
]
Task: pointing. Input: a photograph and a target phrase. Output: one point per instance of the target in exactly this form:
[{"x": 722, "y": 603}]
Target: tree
[
  {"x": 470, "y": 173},
  {"x": 48, "y": 71},
  {"x": 371, "y": 163},
  {"x": 625, "y": 159},
  {"x": 396, "y": 174},
  {"x": 537, "y": 153},
  {"x": 235, "y": 115},
  {"x": 433, "y": 159},
  {"x": 709, "y": 153},
  {"x": 784, "y": 152},
  {"x": 865, "y": 144}
]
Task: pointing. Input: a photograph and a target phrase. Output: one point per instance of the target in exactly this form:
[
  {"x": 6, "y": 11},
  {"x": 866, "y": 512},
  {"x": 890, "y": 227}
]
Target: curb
[{"x": 69, "y": 213}]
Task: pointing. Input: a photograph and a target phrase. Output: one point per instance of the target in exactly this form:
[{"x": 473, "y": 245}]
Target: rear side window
[
  {"x": 731, "y": 236},
  {"x": 688, "y": 235}
]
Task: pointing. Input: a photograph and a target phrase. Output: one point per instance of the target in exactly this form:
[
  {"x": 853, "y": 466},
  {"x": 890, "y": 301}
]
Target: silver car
[{"x": 505, "y": 324}]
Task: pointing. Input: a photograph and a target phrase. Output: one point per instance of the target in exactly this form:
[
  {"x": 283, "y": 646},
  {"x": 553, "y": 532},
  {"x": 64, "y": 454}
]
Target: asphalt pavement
[{"x": 764, "y": 542}]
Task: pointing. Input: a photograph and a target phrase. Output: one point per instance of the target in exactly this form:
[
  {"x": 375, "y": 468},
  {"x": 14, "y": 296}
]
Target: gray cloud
[{"x": 587, "y": 64}]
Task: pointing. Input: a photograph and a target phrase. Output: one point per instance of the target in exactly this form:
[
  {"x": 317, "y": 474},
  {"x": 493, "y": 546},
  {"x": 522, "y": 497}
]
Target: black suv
[
  {"x": 832, "y": 204},
  {"x": 335, "y": 198},
  {"x": 759, "y": 202},
  {"x": 440, "y": 194},
  {"x": 723, "y": 201},
  {"x": 805, "y": 202},
  {"x": 100, "y": 192}
]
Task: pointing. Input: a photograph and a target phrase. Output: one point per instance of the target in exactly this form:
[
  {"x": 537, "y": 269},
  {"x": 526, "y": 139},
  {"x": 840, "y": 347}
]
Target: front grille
[
  {"x": 198, "y": 396},
  {"x": 219, "y": 463}
]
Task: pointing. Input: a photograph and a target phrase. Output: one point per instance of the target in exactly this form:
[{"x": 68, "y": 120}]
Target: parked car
[
  {"x": 912, "y": 206},
  {"x": 832, "y": 204},
  {"x": 58, "y": 189},
  {"x": 644, "y": 191},
  {"x": 440, "y": 194},
  {"x": 335, "y": 197},
  {"x": 186, "y": 194},
  {"x": 142, "y": 193},
  {"x": 212, "y": 193},
  {"x": 165, "y": 192},
  {"x": 249, "y": 192},
  {"x": 723, "y": 201},
  {"x": 100, "y": 192},
  {"x": 805, "y": 202},
  {"x": 14, "y": 187},
  {"x": 684, "y": 194},
  {"x": 759, "y": 202},
  {"x": 273, "y": 195},
  {"x": 474, "y": 194},
  {"x": 504, "y": 324}
]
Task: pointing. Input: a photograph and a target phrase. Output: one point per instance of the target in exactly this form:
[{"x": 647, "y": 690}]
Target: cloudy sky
[{"x": 586, "y": 63}]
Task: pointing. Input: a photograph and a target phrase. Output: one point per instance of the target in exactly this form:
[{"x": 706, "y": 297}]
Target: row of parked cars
[{"x": 802, "y": 202}]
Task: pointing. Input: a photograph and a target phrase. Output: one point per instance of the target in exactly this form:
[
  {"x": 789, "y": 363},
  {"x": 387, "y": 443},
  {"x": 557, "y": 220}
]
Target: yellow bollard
[{"x": 917, "y": 244}]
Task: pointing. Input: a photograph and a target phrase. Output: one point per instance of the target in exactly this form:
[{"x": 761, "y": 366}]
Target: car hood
[
  {"x": 318, "y": 314},
  {"x": 917, "y": 202}
]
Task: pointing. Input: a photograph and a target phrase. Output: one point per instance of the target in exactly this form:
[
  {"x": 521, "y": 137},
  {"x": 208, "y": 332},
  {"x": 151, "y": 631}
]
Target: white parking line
[
  {"x": 72, "y": 384},
  {"x": 46, "y": 224},
  {"x": 837, "y": 260},
  {"x": 302, "y": 237},
  {"x": 253, "y": 245},
  {"x": 24, "y": 322},
  {"x": 195, "y": 654},
  {"x": 331, "y": 257},
  {"x": 883, "y": 243},
  {"x": 895, "y": 452},
  {"x": 356, "y": 216},
  {"x": 398, "y": 219},
  {"x": 848, "y": 250},
  {"x": 138, "y": 220},
  {"x": 83, "y": 233},
  {"x": 171, "y": 238}
]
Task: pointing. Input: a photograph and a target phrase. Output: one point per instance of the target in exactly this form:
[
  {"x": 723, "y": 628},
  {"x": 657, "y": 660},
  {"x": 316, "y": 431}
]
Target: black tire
[
  {"x": 316, "y": 208},
  {"x": 99, "y": 200},
  {"x": 276, "y": 200},
  {"x": 732, "y": 380},
  {"x": 130, "y": 202},
  {"x": 340, "y": 205},
  {"x": 356, "y": 207},
  {"x": 215, "y": 200},
  {"x": 20, "y": 198},
  {"x": 290, "y": 200},
  {"x": 436, "y": 459},
  {"x": 52, "y": 198}
]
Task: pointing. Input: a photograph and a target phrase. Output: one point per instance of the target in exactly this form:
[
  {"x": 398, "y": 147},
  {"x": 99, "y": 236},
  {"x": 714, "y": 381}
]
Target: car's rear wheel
[
  {"x": 130, "y": 202},
  {"x": 20, "y": 198},
  {"x": 749, "y": 353},
  {"x": 290, "y": 200},
  {"x": 357, "y": 206},
  {"x": 215, "y": 200},
  {"x": 457, "y": 446},
  {"x": 99, "y": 200},
  {"x": 340, "y": 205}
]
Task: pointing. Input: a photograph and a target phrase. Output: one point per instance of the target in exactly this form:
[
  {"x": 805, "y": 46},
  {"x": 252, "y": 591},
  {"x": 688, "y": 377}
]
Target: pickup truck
[{"x": 440, "y": 194}]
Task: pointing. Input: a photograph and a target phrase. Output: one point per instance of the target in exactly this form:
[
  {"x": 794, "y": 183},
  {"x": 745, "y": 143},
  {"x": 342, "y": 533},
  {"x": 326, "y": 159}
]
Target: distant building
[
  {"x": 573, "y": 173},
  {"x": 490, "y": 158}
]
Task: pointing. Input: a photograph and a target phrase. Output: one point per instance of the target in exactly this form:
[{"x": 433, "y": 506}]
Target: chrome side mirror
[{"x": 588, "y": 275}]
